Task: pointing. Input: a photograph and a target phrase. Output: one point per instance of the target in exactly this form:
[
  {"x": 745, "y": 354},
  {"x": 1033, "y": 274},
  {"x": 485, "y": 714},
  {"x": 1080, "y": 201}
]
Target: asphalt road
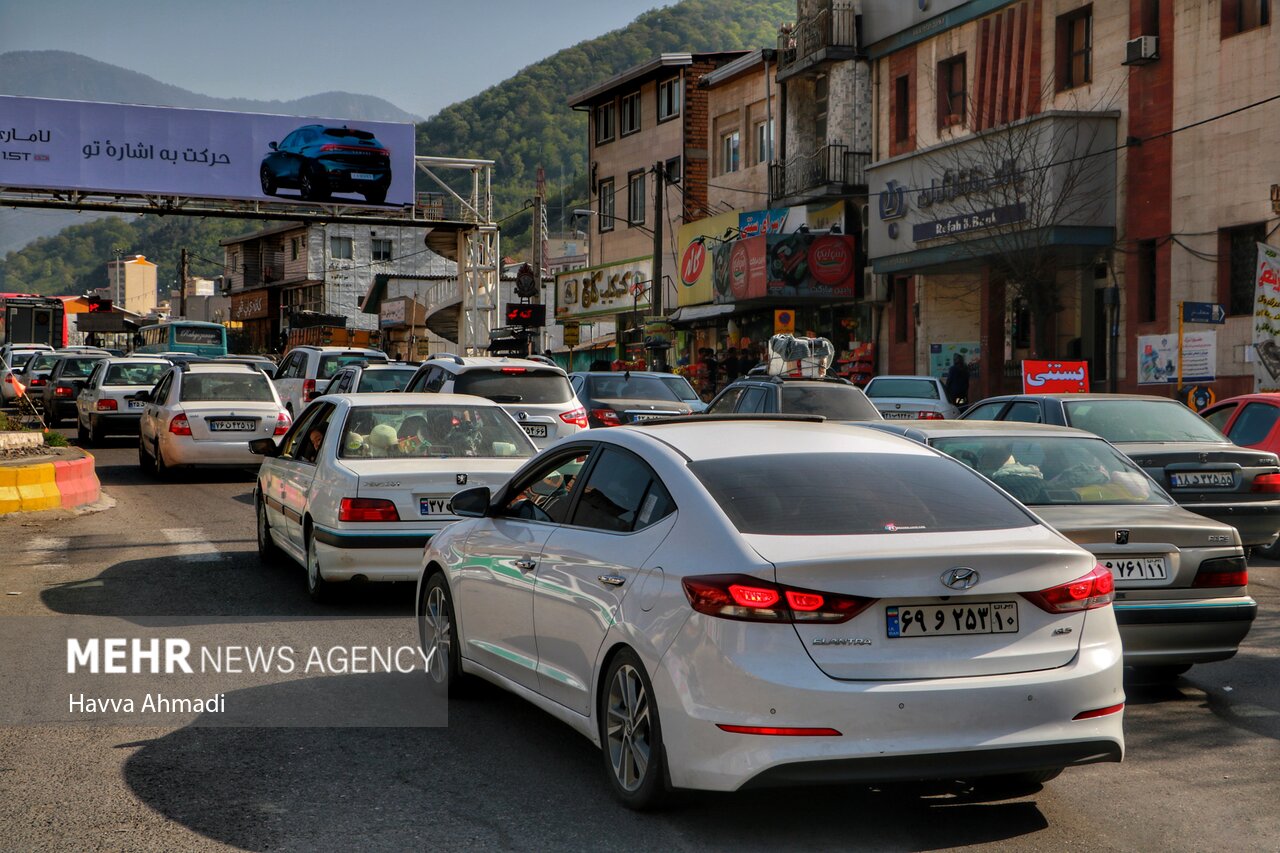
[{"x": 1201, "y": 771}]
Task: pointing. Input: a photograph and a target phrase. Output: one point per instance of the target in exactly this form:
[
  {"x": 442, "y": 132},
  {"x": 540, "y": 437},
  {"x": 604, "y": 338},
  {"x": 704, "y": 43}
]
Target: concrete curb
[{"x": 63, "y": 483}]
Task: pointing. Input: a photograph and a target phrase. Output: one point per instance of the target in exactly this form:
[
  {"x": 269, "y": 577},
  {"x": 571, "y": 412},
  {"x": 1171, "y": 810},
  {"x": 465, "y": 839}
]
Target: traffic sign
[
  {"x": 526, "y": 282},
  {"x": 1204, "y": 312}
]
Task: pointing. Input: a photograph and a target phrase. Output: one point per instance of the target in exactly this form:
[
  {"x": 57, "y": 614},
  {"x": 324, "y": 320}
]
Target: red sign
[
  {"x": 1055, "y": 377},
  {"x": 831, "y": 261},
  {"x": 526, "y": 314},
  {"x": 692, "y": 262}
]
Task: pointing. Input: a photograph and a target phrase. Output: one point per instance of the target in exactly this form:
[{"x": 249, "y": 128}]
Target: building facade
[{"x": 131, "y": 283}]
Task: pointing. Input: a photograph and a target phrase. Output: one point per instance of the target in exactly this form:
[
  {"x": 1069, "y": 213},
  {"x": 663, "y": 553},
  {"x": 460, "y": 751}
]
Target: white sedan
[
  {"x": 108, "y": 404},
  {"x": 360, "y": 483},
  {"x": 728, "y": 605}
]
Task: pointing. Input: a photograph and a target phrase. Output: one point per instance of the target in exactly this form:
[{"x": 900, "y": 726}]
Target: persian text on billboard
[{"x": 1266, "y": 319}]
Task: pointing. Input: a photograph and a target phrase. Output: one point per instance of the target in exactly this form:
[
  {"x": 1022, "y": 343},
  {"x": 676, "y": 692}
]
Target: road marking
[{"x": 190, "y": 545}]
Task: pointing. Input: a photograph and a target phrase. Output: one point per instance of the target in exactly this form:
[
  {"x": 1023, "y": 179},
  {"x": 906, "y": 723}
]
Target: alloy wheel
[
  {"x": 438, "y": 634},
  {"x": 628, "y": 728}
]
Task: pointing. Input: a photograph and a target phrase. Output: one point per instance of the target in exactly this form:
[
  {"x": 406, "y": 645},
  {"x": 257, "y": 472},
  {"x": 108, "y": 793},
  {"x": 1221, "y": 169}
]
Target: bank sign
[{"x": 119, "y": 148}]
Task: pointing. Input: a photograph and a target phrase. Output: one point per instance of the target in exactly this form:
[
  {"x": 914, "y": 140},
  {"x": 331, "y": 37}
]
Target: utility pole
[
  {"x": 182, "y": 285},
  {"x": 656, "y": 286}
]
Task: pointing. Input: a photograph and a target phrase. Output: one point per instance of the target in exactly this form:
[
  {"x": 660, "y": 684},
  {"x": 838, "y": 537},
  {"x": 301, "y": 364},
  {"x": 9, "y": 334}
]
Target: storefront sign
[
  {"x": 572, "y": 334},
  {"x": 1055, "y": 377},
  {"x": 253, "y": 305},
  {"x": 698, "y": 242},
  {"x": 605, "y": 289},
  {"x": 1266, "y": 319},
  {"x": 391, "y": 313},
  {"x": 965, "y": 222}
]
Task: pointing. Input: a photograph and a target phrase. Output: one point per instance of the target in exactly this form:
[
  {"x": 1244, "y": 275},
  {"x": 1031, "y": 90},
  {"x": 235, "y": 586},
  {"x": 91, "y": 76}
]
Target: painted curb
[
  {"x": 77, "y": 481},
  {"x": 48, "y": 485}
]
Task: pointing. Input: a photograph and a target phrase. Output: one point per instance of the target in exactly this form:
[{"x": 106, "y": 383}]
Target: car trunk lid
[
  {"x": 1196, "y": 471},
  {"x": 230, "y": 421},
  {"x": 421, "y": 489}
]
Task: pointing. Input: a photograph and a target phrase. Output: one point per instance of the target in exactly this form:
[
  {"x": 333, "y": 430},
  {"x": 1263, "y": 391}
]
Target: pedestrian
[
  {"x": 732, "y": 365},
  {"x": 710, "y": 365},
  {"x": 957, "y": 383}
]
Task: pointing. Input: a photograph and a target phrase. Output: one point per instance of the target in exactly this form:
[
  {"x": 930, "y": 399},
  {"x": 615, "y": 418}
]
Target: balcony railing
[
  {"x": 831, "y": 167},
  {"x": 835, "y": 25}
]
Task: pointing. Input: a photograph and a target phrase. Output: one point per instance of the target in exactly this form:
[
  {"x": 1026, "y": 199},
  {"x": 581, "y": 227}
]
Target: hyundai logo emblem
[
  {"x": 961, "y": 577},
  {"x": 1122, "y": 537}
]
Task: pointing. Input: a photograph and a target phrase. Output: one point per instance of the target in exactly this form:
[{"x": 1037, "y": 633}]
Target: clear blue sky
[{"x": 420, "y": 55}]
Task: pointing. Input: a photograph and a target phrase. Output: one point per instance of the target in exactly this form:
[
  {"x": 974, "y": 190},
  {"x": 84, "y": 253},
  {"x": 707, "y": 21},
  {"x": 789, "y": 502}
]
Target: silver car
[
  {"x": 910, "y": 398},
  {"x": 1181, "y": 582}
]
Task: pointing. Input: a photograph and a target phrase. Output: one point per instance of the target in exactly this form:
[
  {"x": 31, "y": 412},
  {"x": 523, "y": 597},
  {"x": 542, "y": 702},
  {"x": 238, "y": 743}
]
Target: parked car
[
  {"x": 205, "y": 415},
  {"x": 66, "y": 377},
  {"x": 535, "y": 393},
  {"x": 835, "y": 399},
  {"x": 626, "y": 397},
  {"x": 1182, "y": 452},
  {"x": 362, "y": 481},
  {"x": 14, "y": 357},
  {"x": 319, "y": 161},
  {"x": 107, "y": 405},
  {"x": 305, "y": 372},
  {"x": 723, "y": 605},
  {"x": 371, "y": 378},
  {"x": 1181, "y": 581},
  {"x": 910, "y": 398},
  {"x": 261, "y": 362}
]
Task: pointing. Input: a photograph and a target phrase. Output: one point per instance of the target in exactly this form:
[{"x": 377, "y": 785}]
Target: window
[
  {"x": 1254, "y": 424},
  {"x": 952, "y": 95},
  {"x": 902, "y": 109},
  {"x": 901, "y": 307},
  {"x": 729, "y": 147},
  {"x": 1075, "y": 48},
  {"x": 726, "y": 403},
  {"x": 1219, "y": 416},
  {"x": 1024, "y": 412},
  {"x": 340, "y": 248},
  {"x": 604, "y": 123},
  {"x": 669, "y": 99},
  {"x": 834, "y": 401},
  {"x": 381, "y": 249},
  {"x": 820, "y": 90},
  {"x": 985, "y": 412},
  {"x": 544, "y": 496},
  {"x": 295, "y": 248},
  {"x": 629, "y": 121},
  {"x": 674, "y": 170},
  {"x": 532, "y": 387},
  {"x": 635, "y": 198},
  {"x": 606, "y": 205},
  {"x": 752, "y": 400},
  {"x": 1239, "y": 16},
  {"x": 1139, "y": 420},
  {"x": 621, "y": 494},
  {"x": 1147, "y": 298},
  {"x": 1150, "y": 19},
  {"x": 1238, "y": 265},
  {"x": 764, "y": 141},
  {"x": 294, "y": 445}
]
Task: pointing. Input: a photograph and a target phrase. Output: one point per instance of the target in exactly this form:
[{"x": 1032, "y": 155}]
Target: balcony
[
  {"x": 830, "y": 171},
  {"x": 829, "y": 35}
]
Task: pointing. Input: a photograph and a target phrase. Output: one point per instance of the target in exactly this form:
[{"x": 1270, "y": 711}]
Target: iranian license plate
[
  {"x": 225, "y": 425},
  {"x": 949, "y": 620},
  {"x": 136, "y": 404},
  {"x": 1197, "y": 479},
  {"x": 535, "y": 430},
  {"x": 638, "y": 418},
  {"x": 362, "y": 176},
  {"x": 1137, "y": 568},
  {"x": 899, "y": 415},
  {"x": 435, "y": 506}
]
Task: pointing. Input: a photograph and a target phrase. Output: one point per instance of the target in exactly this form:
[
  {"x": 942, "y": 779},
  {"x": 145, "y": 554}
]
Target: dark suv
[
  {"x": 836, "y": 399},
  {"x": 319, "y": 161}
]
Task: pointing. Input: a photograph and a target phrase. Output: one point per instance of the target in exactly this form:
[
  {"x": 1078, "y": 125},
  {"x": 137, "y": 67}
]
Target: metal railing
[
  {"x": 834, "y": 25},
  {"x": 827, "y": 166}
]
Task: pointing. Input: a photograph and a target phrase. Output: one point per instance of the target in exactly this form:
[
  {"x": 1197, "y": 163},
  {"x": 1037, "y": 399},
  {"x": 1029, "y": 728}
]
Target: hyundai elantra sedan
[{"x": 721, "y": 604}]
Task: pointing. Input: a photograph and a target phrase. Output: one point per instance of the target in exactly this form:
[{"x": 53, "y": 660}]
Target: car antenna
[{"x": 626, "y": 375}]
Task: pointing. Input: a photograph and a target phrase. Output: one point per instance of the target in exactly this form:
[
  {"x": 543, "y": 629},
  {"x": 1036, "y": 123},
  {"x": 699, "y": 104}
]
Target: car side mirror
[
  {"x": 472, "y": 503},
  {"x": 264, "y": 447},
  {"x": 272, "y": 146}
]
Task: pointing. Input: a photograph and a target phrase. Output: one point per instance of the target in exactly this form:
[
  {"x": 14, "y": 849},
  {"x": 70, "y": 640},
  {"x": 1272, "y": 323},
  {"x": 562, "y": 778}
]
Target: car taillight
[
  {"x": 37, "y": 381},
  {"x": 606, "y": 417},
  {"x": 577, "y": 417},
  {"x": 62, "y": 391},
  {"x": 1268, "y": 483},
  {"x": 367, "y": 509},
  {"x": 356, "y": 148},
  {"x": 282, "y": 424},
  {"x": 180, "y": 425},
  {"x": 106, "y": 406},
  {"x": 754, "y": 600},
  {"x": 1094, "y": 590},
  {"x": 928, "y": 416},
  {"x": 514, "y": 370},
  {"x": 1224, "y": 571},
  {"x": 308, "y": 390}
]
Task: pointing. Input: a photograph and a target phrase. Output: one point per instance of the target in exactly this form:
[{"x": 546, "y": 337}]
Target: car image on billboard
[{"x": 319, "y": 161}]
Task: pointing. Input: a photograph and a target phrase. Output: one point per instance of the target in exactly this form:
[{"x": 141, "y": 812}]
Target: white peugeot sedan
[
  {"x": 362, "y": 481},
  {"x": 108, "y": 404},
  {"x": 204, "y": 414},
  {"x": 764, "y": 602}
]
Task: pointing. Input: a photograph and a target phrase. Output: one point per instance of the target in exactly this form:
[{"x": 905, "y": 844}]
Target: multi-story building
[
  {"x": 742, "y": 109},
  {"x": 131, "y": 283}
]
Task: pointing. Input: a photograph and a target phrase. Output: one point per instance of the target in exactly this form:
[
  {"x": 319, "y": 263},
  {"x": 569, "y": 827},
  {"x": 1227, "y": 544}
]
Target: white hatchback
[
  {"x": 722, "y": 605},
  {"x": 362, "y": 481}
]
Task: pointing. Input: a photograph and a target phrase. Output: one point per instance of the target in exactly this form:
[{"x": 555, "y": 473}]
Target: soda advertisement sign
[
  {"x": 799, "y": 265},
  {"x": 1055, "y": 377}
]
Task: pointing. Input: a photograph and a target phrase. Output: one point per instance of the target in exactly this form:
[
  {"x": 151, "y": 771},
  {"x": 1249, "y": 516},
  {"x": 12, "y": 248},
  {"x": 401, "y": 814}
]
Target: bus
[
  {"x": 207, "y": 339},
  {"x": 26, "y": 318}
]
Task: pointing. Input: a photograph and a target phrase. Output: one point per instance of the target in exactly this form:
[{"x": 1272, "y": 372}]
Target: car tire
[
  {"x": 160, "y": 468},
  {"x": 438, "y": 635},
  {"x": 145, "y": 460},
  {"x": 83, "y": 435},
  {"x": 318, "y": 588},
  {"x": 268, "y": 180},
  {"x": 95, "y": 433},
  {"x": 312, "y": 186},
  {"x": 631, "y": 734},
  {"x": 268, "y": 551}
]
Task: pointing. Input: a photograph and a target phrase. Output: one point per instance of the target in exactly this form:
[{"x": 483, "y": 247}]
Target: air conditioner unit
[
  {"x": 875, "y": 288},
  {"x": 1142, "y": 50}
]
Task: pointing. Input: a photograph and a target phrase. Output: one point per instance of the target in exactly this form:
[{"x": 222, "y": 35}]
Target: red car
[{"x": 1250, "y": 420}]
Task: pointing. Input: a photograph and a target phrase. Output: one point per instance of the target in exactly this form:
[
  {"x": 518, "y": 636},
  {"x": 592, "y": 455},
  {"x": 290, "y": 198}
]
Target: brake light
[
  {"x": 751, "y": 599},
  {"x": 282, "y": 423},
  {"x": 928, "y": 416},
  {"x": 332, "y": 147},
  {"x": 606, "y": 417},
  {"x": 1094, "y": 590},
  {"x": 514, "y": 370},
  {"x": 308, "y": 390},
  {"x": 1224, "y": 571},
  {"x": 1269, "y": 483},
  {"x": 782, "y": 731},
  {"x": 1099, "y": 712},
  {"x": 180, "y": 425},
  {"x": 106, "y": 406},
  {"x": 62, "y": 391},
  {"x": 577, "y": 417},
  {"x": 367, "y": 509},
  {"x": 37, "y": 381}
]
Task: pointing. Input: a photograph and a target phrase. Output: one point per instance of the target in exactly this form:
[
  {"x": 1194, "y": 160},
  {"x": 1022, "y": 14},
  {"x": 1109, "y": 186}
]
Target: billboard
[
  {"x": 1055, "y": 377},
  {"x": 1158, "y": 358},
  {"x": 797, "y": 265},
  {"x": 605, "y": 289},
  {"x": 124, "y": 148}
]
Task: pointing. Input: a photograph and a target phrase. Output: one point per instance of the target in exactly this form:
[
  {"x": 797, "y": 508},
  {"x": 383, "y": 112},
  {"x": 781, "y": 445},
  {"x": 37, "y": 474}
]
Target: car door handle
[
  {"x": 612, "y": 580},
  {"x": 525, "y": 565}
]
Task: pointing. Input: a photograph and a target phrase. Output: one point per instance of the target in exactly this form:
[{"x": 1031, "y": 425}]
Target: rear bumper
[
  {"x": 1184, "y": 632},
  {"x": 188, "y": 452},
  {"x": 120, "y": 423},
  {"x": 1258, "y": 522},
  {"x": 372, "y": 556}
]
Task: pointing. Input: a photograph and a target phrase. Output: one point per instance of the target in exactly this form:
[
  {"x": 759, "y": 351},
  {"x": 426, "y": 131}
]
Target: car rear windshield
[
  {"x": 44, "y": 362},
  {"x": 331, "y": 364},
  {"x": 840, "y": 494},
  {"x": 506, "y": 385},
  {"x": 837, "y": 402},
  {"x": 381, "y": 432},
  {"x": 19, "y": 359},
  {"x": 914, "y": 389},
  {"x": 347, "y": 133},
  {"x": 78, "y": 368},
  {"x": 1049, "y": 470},
  {"x": 135, "y": 374},
  {"x": 680, "y": 386},
  {"x": 623, "y": 387},
  {"x": 1140, "y": 420},
  {"x": 239, "y": 387},
  {"x": 385, "y": 380}
]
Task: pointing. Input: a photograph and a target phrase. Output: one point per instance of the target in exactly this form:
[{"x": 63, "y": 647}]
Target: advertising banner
[
  {"x": 604, "y": 289},
  {"x": 1055, "y": 377},
  {"x": 253, "y": 305},
  {"x": 697, "y": 259},
  {"x": 1199, "y": 357},
  {"x": 1158, "y": 358},
  {"x": 1266, "y": 320},
  {"x": 124, "y": 148},
  {"x": 942, "y": 356}
]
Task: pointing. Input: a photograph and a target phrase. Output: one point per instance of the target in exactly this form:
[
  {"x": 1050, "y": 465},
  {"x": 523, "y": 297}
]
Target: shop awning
[
  {"x": 593, "y": 343},
  {"x": 693, "y": 313}
]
